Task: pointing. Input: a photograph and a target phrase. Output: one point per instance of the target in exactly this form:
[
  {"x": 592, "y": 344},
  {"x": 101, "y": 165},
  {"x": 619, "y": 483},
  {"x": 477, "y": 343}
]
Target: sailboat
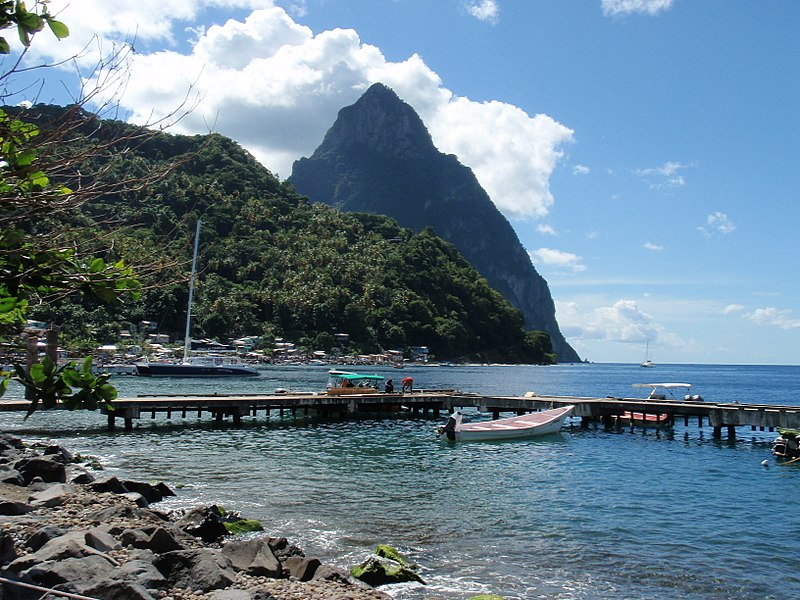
[
  {"x": 647, "y": 362},
  {"x": 196, "y": 366}
]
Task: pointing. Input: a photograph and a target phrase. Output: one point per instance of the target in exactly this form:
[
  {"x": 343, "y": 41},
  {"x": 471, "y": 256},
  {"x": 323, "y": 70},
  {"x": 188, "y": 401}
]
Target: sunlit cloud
[
  {"x": 580, "y": 170},
  {"x": 564, "y": 261},
  {"x": 546, "y": 229},
  {"x": 776, "y": 317},
  {"x": 275, "y": 86},
  {"x": 652, "y": 246},
  {"x": 623, "y": 322},
  {"x": 732, "y": 308},
  {"x": 614, "y": 8},
  {"x": 717, "y": 223},
  {"x": 484, "y": 10}
]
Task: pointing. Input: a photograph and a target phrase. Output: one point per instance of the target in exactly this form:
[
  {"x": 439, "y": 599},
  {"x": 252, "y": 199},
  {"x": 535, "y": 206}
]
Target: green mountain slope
[{"x": 271, "y": 263}]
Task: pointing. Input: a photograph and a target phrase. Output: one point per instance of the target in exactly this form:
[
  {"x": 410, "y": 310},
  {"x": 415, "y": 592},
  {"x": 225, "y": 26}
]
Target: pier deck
[{"x": 606, "y": 410}]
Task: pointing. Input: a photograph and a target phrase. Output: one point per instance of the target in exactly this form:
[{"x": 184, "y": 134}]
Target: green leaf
[
  {"x": 98, "y": 265},
  {"x": 5, "y": 48},
  {"x": 58, "y": 28}
]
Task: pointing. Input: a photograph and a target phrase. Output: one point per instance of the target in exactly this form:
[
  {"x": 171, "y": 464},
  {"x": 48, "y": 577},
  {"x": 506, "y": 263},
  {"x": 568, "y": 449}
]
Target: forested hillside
[{"x": 271, "y": 263}]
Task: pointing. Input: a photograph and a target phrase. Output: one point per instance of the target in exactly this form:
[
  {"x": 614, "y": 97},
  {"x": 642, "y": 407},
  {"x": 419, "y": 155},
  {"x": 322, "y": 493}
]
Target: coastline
[{"x": 64, "y": 529}]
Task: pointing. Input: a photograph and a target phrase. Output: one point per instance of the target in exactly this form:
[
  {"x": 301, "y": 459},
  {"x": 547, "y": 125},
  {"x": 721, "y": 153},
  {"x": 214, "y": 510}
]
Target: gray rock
[
  {"x": 136, "y": 498},
  {"x": 162, "y": 541},
  {"x": 102, "y": 541},
  {"x": 301, "y": 567},
  {"x": 10, "y": 475},
  {"x": 70, "y": 545},
  {"x": 82, "y": 477},
  {"x": 108, "y": 484},
  {"x": 253, "y": 557},
  {"x": 41, "y": 536},
  {"x": 204, "y": 522},
  {"x": 79, "y": 572},
  {"x": 205, "y": 569},
  {"x": 47, "y": 469},
  {"x": 11, "y": 507},
  {"x": 54, "y": 495},
  {"x": 7, "y": 550},
  {"x": 145, "y": 573}
]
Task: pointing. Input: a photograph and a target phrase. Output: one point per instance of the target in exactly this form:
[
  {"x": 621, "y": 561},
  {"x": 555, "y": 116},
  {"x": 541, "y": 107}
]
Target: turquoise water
[{"x": 582, "y": 514}]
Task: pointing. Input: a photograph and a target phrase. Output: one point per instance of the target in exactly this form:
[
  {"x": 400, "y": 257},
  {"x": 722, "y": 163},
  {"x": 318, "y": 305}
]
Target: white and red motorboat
[{"x": 524, "y": 426}]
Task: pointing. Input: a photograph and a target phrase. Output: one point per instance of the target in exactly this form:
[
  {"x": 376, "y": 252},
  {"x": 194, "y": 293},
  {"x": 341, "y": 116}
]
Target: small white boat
[
  {"x": 664, "y": 391},
  {"x": 525, "y": 426}
]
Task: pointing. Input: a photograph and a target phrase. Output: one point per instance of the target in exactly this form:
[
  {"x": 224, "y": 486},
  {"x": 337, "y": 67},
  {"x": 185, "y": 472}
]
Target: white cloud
[
  {"x": 775, "y": 317},
  {"x": 484, "y": 10},
  {"x": 623, "y": 322},
  {"x": 665, "y": 176},
  {"x": 732, "y": 308},
  {"x": 717, "y": 222},
  {"x": 580, "y": 170},
  {"x": 546, "y": 229},
  {"x": 561, "y": 260},
  {"x": 652, "y": 246},
  {"x": 275, "y": 87},
  {"x": 612, "y": 8}
]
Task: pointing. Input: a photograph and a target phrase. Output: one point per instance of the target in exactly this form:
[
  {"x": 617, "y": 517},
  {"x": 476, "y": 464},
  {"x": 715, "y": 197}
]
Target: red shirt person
[{"x": 408, "y": 383}]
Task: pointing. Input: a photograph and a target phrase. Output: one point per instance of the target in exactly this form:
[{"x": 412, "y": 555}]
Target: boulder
[
  {"x": 54, "y": 495},
  {"x": 79, "y": 572},
  {"x": 101, "y": 540},
  {"x": 70, "y": 545},
  {"x": 82, "y": 477},
  {"x": 161, "y": 541},
  {"x": 204, "y": 522},
  {"x": 144, "y": 573},
  {"x": 10, "y": 475},
  {"x": 41, "y": 536},
  {"x": 108, "y": 484},
  {"x": 379, "y": 571},
  {"x": 253, "y": 557},
  {"x": 48, "y": 469},
  {"x": 12, "y": 507},
  {"x": 202, "y": 570},
  {"x": 282, "y": 549},
  {"x": 151, "y": 492},
  {"x": 136, "y": 498},
  {"x": 7, "y": 550},
  {"x": 301, "y": 567}
]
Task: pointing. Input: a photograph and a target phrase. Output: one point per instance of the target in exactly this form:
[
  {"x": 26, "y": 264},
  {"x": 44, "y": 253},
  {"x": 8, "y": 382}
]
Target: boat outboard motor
[{"x": 449, "y": 428}]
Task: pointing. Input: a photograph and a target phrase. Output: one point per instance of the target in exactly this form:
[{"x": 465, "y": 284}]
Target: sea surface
[{"x": 587, "y": 513}]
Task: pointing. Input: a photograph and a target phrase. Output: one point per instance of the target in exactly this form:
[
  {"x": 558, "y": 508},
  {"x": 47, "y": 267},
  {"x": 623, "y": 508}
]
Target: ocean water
[{"x": 587, "y": 513}]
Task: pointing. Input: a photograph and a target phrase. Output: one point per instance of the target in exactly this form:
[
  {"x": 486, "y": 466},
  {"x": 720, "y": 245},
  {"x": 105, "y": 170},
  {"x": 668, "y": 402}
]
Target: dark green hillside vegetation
[{"x": 271, "y": 263}]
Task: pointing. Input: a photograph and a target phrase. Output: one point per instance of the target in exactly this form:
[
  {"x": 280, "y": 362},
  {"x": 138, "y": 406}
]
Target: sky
[{"x": 646, "y": 152}]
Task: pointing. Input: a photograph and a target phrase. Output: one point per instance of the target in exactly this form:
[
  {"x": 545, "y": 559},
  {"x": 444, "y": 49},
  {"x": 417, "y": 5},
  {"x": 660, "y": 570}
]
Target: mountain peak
[
  {"x": 379, "y": 122},
  {"x": 378, "y": 157}
]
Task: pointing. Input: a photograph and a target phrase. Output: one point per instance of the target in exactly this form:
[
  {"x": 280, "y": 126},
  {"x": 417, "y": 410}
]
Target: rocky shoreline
[{"x": 65, "y": 529}]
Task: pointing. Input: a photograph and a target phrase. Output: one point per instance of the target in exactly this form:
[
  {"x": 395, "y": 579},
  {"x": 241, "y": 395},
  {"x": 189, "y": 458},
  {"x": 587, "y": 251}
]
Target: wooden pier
[{"x": 719, "y": 416}]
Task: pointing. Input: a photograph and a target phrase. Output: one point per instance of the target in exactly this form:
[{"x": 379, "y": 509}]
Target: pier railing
[{"x": 606, "y": 410}]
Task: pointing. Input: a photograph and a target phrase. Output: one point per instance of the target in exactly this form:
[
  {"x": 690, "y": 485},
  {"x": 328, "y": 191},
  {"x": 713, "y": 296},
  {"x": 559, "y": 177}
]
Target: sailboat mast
[{"x": 187, "y": 343}]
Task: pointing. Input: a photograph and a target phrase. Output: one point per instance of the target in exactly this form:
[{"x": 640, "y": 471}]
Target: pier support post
[
  {"x": 111, "y": 421},
  {"x": 128, "y": 424},
  {"x": 731, "y": 432},
  {"x": 585, "y": 422},
  {"x": 717, "y": 432}
]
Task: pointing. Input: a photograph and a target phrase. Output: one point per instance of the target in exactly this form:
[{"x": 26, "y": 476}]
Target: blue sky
[{"x": 645, "y": 151}]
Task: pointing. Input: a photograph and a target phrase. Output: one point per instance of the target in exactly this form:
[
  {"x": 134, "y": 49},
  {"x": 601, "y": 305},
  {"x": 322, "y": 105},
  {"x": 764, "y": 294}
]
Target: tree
[{"x": 37, "y": 263}]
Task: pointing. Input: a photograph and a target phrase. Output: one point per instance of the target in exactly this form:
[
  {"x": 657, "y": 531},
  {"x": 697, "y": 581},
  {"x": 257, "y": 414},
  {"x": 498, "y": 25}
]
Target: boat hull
[
  {"x": 514, "y": 428},
  {"x": 169, "y": 370}
]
